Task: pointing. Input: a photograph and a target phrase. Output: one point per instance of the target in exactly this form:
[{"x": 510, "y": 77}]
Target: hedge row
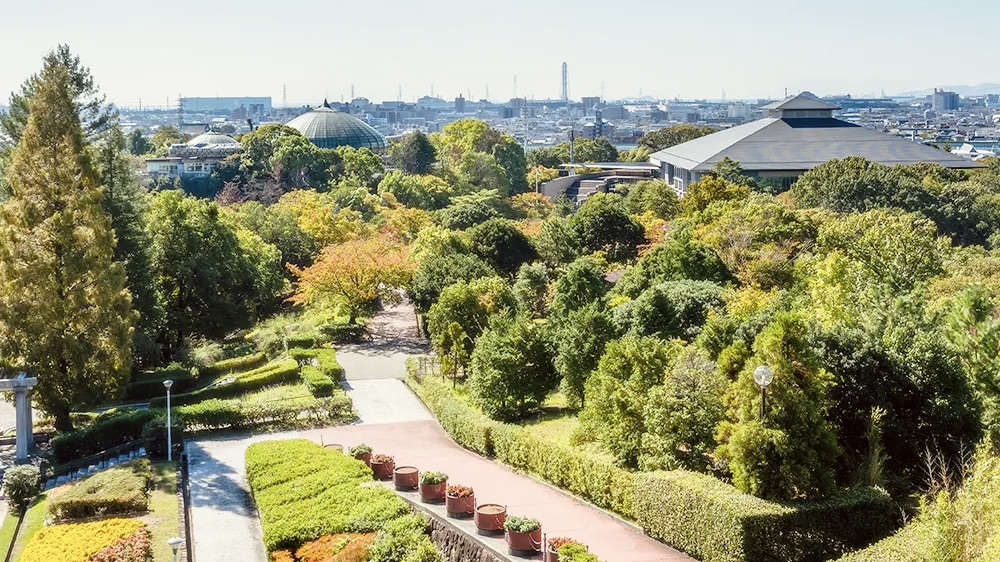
[
  {"x": 227, "y": 366},
  {"x": 110, "y": 430},
  {"x": 702, "y": 515},
  {"x": 913, "y": 543},
  {"x": 215, "y": 414},
  {"x": 78, "y": 542},
  {"x": 469, "y": 427},
  {"x": 714, "y": 521},
  {"x": 325, "y": 359},
  {"x": 249, "y": 381},
  {"x": 114, "y": 491},
  {"x": 342, "y": 333},
  {"x": 318, "y": 384},
  {"x": 304, "y": 491},
  {"x": 151, "y": 386}
]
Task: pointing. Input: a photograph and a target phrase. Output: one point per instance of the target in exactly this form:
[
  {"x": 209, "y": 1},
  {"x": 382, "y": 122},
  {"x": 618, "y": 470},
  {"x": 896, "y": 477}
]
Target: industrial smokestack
[{"x": 565, "y": 83}]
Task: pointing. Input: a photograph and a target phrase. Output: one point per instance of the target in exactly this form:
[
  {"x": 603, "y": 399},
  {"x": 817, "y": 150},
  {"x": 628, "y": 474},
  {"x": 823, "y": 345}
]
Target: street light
[
  {"x": 763, "y": 376},
  {"x": 170, "y": 443},
  {"x": 175, "y": 544}
]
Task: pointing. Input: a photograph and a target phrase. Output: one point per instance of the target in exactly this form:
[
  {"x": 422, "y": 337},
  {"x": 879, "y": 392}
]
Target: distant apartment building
[
  {"x": 460, "y": 104},
  {"x": 944, "y": 101},
  {"x": 589, "y": 103}
]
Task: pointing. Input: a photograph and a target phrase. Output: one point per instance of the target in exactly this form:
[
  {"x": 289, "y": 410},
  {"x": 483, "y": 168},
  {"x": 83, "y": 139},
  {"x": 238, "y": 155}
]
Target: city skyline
[{"x": 740, "y": 51}]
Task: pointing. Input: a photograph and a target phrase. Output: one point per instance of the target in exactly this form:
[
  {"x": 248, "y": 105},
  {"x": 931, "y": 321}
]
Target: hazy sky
[{"x": 664, "y": 48}]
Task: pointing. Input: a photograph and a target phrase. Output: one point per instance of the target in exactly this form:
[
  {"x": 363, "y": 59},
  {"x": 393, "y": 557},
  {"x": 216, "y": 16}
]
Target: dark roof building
[
  {"x": 797, "y": 134},
  {"x": 328, "y": 128}
]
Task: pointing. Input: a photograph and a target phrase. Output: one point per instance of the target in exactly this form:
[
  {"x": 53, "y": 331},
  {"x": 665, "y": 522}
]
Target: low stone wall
[{"x": 457, "y": 546}]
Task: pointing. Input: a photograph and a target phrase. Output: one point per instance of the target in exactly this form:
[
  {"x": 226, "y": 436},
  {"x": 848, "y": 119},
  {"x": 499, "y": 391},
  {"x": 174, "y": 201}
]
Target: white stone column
[{"x": 21, "y": 387}]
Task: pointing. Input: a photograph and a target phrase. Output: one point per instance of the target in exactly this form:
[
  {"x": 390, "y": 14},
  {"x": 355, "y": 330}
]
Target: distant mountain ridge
[{"x": 963, "y": 90}]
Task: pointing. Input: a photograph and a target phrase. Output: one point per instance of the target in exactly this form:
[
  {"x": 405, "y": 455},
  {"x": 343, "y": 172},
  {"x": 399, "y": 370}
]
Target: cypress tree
[{"x": 64, "y": 311}]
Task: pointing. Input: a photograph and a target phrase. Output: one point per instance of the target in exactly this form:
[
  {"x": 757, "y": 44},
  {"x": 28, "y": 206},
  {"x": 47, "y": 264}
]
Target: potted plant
[
  {"x": 490, "y": 517},
  {"x": 553, "y": 545},
  {"x": 405, "y": 477},
  {"x": 382, "y": 466},
  {"x": 523, "y": 534},
  {"x": 459, "y": 501},
  {"x": 432, "y": 486},
  {"x": 361, "y": 452}
]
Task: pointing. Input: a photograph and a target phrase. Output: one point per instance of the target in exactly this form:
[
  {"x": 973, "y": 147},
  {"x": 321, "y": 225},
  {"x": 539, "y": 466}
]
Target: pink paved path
[{"x": 425, "y": 445}]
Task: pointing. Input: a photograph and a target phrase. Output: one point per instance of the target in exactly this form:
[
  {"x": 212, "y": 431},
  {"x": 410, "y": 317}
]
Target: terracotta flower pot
[
  {"x": 383, "y": 470},
  {"x": 551, "y": 555},
  {"x": 459, "y": 506},
  {"x": 405, "y": 477},
  {"x": 489, "y": 517},
  {"x": 432, "y": 492},
  {"x": 365, "y": 458},
  {"x": 525, "y": 542}
]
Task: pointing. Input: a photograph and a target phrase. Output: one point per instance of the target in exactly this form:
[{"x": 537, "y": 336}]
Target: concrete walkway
[
  {"x": 425, "y": 445},
  {"x": 224, "y": 521}
]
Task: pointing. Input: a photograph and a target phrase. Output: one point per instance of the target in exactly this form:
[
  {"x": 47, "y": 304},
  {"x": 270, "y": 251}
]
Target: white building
[{"x": 195, "y": 158}]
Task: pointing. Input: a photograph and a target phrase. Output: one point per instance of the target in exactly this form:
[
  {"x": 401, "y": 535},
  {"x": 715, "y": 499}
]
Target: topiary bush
[
  {"x": 21, "y": 485},
  {"x": 317, "y": 383},
  {"x": 237, "y": 413}
]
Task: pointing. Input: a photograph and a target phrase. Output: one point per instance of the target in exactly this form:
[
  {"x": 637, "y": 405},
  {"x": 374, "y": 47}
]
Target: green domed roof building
[{"x": 328, "y": 128}]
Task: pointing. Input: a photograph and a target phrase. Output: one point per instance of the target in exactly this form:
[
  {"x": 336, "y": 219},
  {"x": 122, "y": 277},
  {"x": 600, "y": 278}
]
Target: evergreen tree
[
  {"x": 64, "y": 310},
  {"x": 414, "y": 153},
  {"x": 125, "y": 201}
]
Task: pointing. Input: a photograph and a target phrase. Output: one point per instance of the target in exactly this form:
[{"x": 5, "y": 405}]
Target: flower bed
[
  {"x": 341, "y": 547},
  {"x": 81, "y": 542},
  {"x": 113, "y": 491}
]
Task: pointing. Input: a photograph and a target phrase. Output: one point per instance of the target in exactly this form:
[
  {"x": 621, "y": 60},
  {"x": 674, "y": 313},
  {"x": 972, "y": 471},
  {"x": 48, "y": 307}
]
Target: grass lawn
[
  {"x": 38, "y": 511},
  {"x": 163, "y": 518}
]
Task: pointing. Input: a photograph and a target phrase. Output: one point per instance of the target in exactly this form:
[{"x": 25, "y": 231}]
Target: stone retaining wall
[{"x": 456, "y": 545}]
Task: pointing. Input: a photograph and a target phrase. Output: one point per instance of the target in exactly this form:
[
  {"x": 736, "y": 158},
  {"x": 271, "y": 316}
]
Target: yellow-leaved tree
[{"x": 355, "y": 275}]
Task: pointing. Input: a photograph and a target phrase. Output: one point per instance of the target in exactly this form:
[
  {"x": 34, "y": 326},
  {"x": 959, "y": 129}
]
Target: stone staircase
[{"x": 110, "y": 462}]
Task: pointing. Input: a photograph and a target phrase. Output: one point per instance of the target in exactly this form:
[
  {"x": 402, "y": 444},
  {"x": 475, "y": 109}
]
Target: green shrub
[
  {"x": 913, "y": 543},
  {"x": 404, "y": 540},
  {"x": 113, "y": 491},
  {"x": 521, "y": 524},
  {"x": 301, "y": 341},
  {"x": 576, "y": 552},
  {"x": 343, "y": 333},
  {"x": 432, "y": 477},
  {"x": 111, "y": 429},
  {"x": 249, "y": 381},
  {"x": 325, "y": 359},
  {"x": 318, "y": 383},
  {"x": 714, "y": 521},
  {"x": 304, "y": 491},
  {"x": 154, "y": 435},
  {"x": 151, "y": 385},
  {"x": 227, "y": 366},
  {"x": 21, "y": 485},
  {"x": 216, "y": 414}
]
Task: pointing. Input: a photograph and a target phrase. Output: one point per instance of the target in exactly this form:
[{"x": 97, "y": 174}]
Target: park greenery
[{"x": 633, "y": 322}]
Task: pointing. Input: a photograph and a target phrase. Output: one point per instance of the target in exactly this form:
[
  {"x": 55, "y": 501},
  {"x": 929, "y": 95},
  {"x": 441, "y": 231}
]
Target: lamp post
[
  {"x": 170, "y": 443},
  {"x": 175, "y": 544},
  {"x": 763, "y": 375}
]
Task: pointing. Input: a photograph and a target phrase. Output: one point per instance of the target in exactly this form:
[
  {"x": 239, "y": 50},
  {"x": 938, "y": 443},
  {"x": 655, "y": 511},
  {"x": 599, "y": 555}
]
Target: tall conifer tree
[{"x": 64, "y": 310}]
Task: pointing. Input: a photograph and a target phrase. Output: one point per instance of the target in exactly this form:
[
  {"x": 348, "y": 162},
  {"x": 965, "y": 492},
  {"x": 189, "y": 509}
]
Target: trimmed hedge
[
  {"x": 151, "y": 386},
  {"x": 215, "y": 414},
  {"x": 469, "y": 427},
  {"x": 325, "y": 359},
  {"x": 227, "y": 366},
  {"x": 249, "y": 381},
  {"x": 78, "y": 542},
  {"x": 911, "y": 544},
  {"x": 318, "y": 384},
  {"x": 714, "y": 521},
  {"x": 113, "y": 491},
  {"x": 304, "y": 491},
  {"x": 110, "y": 430}
]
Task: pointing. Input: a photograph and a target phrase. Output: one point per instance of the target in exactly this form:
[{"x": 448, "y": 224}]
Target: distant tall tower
[{"x": 565, "y": 83}]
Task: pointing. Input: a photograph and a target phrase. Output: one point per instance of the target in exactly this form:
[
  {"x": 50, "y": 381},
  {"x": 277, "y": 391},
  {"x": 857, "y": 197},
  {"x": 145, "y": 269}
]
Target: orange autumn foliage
[{"x": 342, "y": 547}]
